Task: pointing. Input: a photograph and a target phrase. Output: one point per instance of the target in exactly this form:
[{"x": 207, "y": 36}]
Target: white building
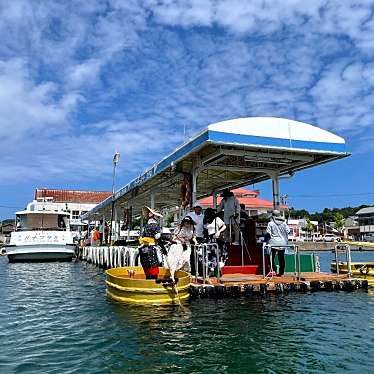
[{"x": 74, "y": 201}]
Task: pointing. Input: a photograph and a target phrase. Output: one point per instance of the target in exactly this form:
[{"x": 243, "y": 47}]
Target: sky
[{"x": 81, "y": 79}]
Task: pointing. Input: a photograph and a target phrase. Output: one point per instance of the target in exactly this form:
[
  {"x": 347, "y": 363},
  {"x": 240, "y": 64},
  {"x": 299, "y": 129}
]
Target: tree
[
  {"x": 339, "y": 221},
  {"x": 309, "y": 228}
]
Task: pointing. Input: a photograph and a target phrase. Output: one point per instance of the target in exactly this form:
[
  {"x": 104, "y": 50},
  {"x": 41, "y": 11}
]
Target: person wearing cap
[
  {"x": 198, "y": 217},
  {"x": 147, "y": 250},
  {"x": 231, "y": 211},
  {"x": 278, "y": 231}
]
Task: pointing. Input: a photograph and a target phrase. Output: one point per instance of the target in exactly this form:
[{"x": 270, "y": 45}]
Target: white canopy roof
[
  {"x": 278, "y": 128},
  {"x": 230, "y": 154}
]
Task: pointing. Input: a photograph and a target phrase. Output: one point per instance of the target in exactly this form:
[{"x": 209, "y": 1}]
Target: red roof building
[
  {"x": 71, "y": 196},
  {"x": 253, "y": 204}
]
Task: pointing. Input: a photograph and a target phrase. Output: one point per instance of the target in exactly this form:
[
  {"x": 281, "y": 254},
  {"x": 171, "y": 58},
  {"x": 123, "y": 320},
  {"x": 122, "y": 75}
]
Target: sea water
[{"x": 55, "y": 318}]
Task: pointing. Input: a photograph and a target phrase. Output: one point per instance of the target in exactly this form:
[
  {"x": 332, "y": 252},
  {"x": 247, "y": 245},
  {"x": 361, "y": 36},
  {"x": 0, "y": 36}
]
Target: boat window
[{"x": 42, "y": 221}]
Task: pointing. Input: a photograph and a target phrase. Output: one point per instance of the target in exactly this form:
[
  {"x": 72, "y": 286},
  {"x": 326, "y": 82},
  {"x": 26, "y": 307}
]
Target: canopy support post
[
  {"x": 195, "y": 172},
  {"x": 152, "y": 199},
  {"x": 103, "y": 228},
  {"x": 275, "y": 183},
  {"x": 214, "y": 200}
]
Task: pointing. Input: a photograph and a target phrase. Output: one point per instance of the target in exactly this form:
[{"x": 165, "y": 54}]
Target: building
[
  {"x": 6, "y": 228},
  {"x": 74, "y": 201},
  {"x": 250, "y": 198},
  {"x": 351, "y": 228},
  {"x": 365, "y": 217},
  {"x": 299, "y": 229}
]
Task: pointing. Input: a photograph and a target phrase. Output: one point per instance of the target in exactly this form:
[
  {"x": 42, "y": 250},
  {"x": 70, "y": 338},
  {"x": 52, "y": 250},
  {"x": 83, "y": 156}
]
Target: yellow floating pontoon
[
  {"x": 363, "y": 270},
  {"x": 358, "y": 268},
  {"x": 128, "y": 284}
]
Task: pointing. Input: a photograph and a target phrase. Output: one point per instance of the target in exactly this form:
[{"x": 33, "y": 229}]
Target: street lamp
[{"x": 116, "y": 159}]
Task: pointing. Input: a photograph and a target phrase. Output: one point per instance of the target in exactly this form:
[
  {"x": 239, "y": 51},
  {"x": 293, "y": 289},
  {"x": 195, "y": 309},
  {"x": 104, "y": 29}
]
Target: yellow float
[
  {"x": 358, "y": 268},
  {"x": 363, "y": 270},
  {"x": 128, "y": 285}
]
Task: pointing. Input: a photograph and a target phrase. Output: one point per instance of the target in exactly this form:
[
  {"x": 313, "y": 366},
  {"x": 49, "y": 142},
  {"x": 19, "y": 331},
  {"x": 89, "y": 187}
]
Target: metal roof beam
[{"x": 264, "y": 156}]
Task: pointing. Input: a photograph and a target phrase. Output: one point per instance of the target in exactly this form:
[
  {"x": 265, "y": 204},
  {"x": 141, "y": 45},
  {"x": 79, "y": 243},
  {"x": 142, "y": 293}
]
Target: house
[
  {"x": 74, "y": 201},
  {"x": 254, "y": 205},
  {"x": 365, "y": 217},
  {"x": 6, "y": 228},
  {"x": 298, "y": 229}
]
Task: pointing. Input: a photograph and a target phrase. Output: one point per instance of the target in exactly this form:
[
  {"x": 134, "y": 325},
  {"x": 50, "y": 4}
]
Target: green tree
[
  {"x": 309, "y": 228},
  {"x": 339, "y": 221}
]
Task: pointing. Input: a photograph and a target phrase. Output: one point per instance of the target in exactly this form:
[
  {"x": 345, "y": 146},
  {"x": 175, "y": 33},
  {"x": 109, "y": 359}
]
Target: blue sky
[{"x": 81, "y": 79}]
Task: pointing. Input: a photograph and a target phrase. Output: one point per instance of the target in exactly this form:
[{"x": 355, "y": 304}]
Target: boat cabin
[{"x": 42, "y": 220}]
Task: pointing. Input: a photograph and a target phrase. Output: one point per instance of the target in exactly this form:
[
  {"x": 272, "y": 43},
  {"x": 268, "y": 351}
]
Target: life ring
[
  {"x": 364, "y": 270},
  {"x": 3, "y": 252},
  {"x": 185, "y": 192}
]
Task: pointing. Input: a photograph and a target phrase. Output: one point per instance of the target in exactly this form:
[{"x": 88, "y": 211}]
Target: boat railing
[{"x": 267, "y": 249}]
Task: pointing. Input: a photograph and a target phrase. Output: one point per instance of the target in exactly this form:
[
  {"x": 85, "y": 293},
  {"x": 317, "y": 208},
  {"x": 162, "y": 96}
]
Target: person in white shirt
[
  {"x": 231, "y": 211},
  {"x": 198, "y": 217},
  {"x": 179, "y": 255},
  {"x": 213, "y": 225}
]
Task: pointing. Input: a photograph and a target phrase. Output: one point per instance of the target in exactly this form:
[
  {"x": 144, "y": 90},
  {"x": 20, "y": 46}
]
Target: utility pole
[{"x": 116, "y": 158}]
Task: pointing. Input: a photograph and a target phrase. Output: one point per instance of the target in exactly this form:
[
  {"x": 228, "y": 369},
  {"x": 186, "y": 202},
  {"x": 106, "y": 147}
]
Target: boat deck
[{"x": 243, "y": 284}]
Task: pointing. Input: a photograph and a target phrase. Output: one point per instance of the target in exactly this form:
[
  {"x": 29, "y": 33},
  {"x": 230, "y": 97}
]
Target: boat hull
[
  {"x": 138, "y": 290},
  {"x": 40, "y": 252}
]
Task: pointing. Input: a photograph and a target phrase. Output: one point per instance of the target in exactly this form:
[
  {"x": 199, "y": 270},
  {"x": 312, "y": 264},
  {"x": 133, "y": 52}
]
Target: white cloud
[
  {"x": 27, "y": 107},
  {"x": 81, "y": 79}
]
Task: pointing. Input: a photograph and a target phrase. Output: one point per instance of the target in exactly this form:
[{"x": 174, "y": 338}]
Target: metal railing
[
  {"x": 343, "y": 247},
  {"x": 201, "y": 254},
  {"x": 296, "y": 252}
]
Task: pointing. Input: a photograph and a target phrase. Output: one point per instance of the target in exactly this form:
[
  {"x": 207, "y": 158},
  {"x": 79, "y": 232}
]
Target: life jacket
[{"x": 148, "y": 256}]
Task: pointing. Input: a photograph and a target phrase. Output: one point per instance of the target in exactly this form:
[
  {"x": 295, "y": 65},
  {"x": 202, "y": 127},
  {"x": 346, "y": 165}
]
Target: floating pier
[
  {"x": 256, "y": 285},
  {"x": 225, "y": 155},
  {"x": 231, "y": 285}
]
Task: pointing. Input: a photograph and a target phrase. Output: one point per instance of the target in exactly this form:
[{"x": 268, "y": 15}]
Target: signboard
[{"x": 41, "y": 237}]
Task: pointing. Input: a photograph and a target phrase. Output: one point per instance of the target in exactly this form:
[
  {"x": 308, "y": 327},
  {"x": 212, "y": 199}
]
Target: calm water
[{"x": 54, "y": 318}]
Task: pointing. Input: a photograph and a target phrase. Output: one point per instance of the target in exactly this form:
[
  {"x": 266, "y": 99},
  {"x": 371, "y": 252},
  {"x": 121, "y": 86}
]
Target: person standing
[
  {"x": 231, "y": 211},
  {"x": 147, "y": 249},
  {"x": 244, "y": 217},
  {"x": 180, "y": 254},
  {"x": 278, "y": 231},
  {"x": 214, "y": 227},
  {"x": 198, "y": 217},
  {"x": 95, "y": 237}
]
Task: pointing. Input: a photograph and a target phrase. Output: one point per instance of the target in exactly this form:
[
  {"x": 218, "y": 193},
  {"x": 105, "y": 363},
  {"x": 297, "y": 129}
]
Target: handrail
[
  {"x": 202, "y": 250},
  {"x": 297, "y": 263},
  {"x": 343, "y": 247}
]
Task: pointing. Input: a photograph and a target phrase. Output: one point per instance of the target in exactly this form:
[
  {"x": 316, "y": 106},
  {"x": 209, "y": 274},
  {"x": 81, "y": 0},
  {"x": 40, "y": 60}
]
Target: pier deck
[{"x": 248, "y": 285}]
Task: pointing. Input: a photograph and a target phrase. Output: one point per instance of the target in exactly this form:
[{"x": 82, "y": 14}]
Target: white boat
[{"x": 41, "y": 235}]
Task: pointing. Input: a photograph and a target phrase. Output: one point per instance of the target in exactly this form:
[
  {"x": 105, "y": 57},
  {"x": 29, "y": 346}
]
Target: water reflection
[{"x": 55, "y": 318}]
